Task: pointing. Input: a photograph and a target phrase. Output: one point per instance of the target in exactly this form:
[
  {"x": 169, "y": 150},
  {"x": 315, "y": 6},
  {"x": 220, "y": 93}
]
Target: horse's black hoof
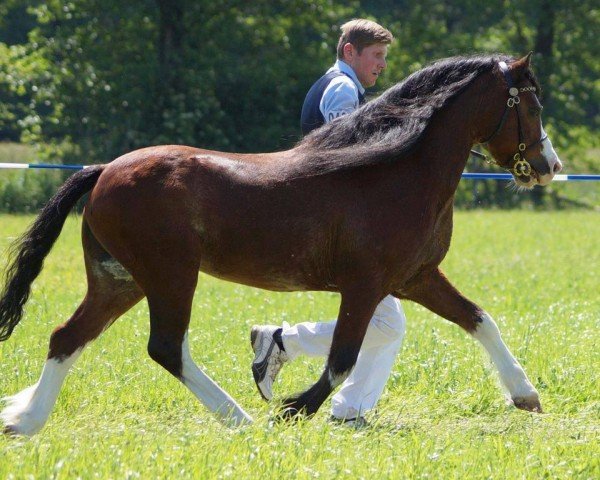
[
  {"x": 289, "y": 415},
  {"x": 286, "y": 416},
  {"x": 290, "y": 410}
]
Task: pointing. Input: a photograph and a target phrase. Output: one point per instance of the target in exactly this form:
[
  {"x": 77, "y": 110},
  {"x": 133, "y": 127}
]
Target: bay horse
[{"x": 362, "y": 206}]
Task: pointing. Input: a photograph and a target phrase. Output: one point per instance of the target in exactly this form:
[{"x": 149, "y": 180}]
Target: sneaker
[{"x": 268, "y": 358}]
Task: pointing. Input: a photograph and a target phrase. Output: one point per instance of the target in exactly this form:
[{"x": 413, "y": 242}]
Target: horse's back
[{"x": 176, "y": 170}]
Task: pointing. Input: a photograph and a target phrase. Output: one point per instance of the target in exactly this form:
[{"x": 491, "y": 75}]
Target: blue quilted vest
[{"x": 311, "y": 116}]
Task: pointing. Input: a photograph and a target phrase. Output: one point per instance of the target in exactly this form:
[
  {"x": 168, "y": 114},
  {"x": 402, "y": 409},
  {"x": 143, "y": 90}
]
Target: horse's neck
[{"x": 443, "y": 152}]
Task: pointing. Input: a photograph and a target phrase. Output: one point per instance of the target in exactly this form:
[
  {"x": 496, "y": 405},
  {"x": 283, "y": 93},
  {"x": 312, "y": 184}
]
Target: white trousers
[{"x": 363, "y": 388}]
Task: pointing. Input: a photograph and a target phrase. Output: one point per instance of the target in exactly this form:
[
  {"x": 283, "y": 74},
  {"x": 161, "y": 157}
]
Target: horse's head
[{"x": 519, "y": 143}]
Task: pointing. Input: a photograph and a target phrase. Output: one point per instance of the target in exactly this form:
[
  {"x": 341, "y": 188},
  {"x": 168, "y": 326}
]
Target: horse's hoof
[
  {"x": 289, "y": 412},
  {"x": 10, "y": 431},
  {"x": 530, "y": 404}
]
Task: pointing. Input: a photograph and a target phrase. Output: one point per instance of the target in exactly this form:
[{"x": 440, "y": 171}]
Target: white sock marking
[
  {"x": 335, "y": 380},
  {"x": 27, "y": 411},
  {"x": 208, "y": 392},
  {"x": 511, "y": 373}
]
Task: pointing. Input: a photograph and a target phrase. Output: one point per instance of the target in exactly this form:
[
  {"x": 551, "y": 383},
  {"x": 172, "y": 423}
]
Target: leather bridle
[{"x": 521, "y": 167}]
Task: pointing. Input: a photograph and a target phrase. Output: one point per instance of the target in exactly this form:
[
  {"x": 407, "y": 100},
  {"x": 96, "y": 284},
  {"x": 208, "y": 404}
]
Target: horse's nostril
[{"x": 557, "y": 167}]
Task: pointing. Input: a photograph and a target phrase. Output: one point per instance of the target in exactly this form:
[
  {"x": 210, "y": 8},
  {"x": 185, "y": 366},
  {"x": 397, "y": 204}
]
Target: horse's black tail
[{"x": 30, "y": 250}]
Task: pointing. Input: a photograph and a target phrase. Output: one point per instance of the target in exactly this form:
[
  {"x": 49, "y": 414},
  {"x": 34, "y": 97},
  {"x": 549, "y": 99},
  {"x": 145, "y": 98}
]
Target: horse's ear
[{"x": 521, "y": 66}]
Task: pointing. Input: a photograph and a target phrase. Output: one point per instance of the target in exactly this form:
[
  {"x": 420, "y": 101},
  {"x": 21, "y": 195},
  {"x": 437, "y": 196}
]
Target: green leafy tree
[{"x": 109, "y": 77}]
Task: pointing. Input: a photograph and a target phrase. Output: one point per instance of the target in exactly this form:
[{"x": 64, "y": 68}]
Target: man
[{"x": 361, "y": 53}]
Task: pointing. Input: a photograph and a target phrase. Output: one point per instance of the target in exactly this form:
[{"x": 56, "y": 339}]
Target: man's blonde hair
[{"x": 361, "y": 33}]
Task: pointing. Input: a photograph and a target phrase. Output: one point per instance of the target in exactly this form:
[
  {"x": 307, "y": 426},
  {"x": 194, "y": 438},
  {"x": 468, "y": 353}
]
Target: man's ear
[{"x": 349, "y": 51}]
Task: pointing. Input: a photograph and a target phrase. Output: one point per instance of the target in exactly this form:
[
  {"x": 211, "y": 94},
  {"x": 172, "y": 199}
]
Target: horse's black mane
[{"x": 394, "y": 121}]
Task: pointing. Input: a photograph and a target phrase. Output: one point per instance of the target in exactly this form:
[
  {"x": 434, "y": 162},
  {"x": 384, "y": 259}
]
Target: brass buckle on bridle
[
  {"x": 514, "y": 98},
  {"x": 522, "y": 167}
]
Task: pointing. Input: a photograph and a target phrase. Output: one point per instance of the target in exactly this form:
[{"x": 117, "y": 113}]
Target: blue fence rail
[{"x": 467, "y": 175}]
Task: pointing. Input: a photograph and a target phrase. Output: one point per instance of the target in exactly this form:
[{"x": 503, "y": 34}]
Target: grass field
[{"x": 443, "y": 414}]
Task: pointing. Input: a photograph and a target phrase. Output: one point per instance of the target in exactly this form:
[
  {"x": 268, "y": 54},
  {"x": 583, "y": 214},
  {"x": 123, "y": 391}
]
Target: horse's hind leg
[
  {"x": 111, "y": 292},
  {"x": 170, "y": 295}
]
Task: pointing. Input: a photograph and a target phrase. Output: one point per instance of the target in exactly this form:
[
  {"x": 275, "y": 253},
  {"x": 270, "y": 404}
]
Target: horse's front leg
[
  {"x": 356, "y": 309},
  {"x": 434, "y": 291}
]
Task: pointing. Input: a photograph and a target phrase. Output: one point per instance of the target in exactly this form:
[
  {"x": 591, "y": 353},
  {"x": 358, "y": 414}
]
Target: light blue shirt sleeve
[{"x": 339, "y": 98}]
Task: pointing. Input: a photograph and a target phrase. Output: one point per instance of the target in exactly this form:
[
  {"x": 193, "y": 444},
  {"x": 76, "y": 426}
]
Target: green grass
[
  {"x": 11, "y": 152},
  {"x": 443, "y": 414}
]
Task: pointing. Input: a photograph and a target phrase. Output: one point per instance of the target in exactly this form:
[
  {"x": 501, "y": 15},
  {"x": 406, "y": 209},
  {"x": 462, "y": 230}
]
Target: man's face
[{"x": 367, "y": 64}]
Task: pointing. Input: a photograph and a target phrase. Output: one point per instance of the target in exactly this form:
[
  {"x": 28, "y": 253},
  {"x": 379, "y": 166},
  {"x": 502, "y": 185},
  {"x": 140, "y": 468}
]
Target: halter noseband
[{"x": 521, "y": 167}]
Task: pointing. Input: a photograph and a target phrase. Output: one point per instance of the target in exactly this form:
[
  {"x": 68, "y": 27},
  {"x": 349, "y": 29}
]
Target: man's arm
[{"x": 339, "y": 98}]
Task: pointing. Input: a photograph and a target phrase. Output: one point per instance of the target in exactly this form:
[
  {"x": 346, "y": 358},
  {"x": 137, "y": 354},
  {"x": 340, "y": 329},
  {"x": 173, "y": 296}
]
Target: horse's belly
[
  {"x": 277, "y": 282},
  {"x": 277, "y": 270}
]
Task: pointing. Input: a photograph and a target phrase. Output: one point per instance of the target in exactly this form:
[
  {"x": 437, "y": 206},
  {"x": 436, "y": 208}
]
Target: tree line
[{"x": 92, "y": 79}]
